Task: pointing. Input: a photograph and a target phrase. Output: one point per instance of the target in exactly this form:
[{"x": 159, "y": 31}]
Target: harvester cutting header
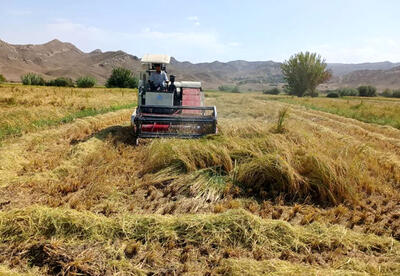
[{"x": 167, "y": 108}]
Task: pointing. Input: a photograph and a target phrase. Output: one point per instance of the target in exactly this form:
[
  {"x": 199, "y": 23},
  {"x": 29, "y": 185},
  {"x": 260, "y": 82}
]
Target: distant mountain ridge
[
  {"x": 389, "y": 78},
  {"x": 56, "y": 58},
  {"x": 341, "y": 69}
]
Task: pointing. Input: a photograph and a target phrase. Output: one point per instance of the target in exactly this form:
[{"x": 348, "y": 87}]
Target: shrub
[
  {"x": 123, "y": 78},
  {"x": 272, "y": 91},
  {"x": 61, "y": 82},
  {"x": 347, "y": 92},
  {"x": 226, "y": 88},
  {"x": 367, "y": 91},
  {"x": 85, "y": 82},
  {"x": 2, "y": 78},
  {"x": 333, "y": 95},
  {"x": 32, "y": 79},
  {"x": 235, "y": 89},
  {"x": 133, "y": 82},
  {"x": 396, "y": 94},
  {"x": 391, "y": 93},
  {"x": 387, "y": 93}
]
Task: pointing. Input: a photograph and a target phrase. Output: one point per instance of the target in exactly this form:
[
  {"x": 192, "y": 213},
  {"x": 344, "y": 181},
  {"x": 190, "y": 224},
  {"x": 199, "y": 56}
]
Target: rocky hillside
[
  {"x": 240, "y": 72},
  {"x": 381, "y": 78},
  {"x": 341, "y": 69},
  {"x": 56, "y": 58}
]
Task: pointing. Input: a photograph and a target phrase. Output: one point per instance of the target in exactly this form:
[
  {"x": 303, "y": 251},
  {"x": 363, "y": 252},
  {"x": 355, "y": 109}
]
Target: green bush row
[
  {"x": 226, "y": 88},
  {"x": 347, "y": 92},
  {"x": 341, "y": 92},
  {"x": 35, "y": 79},
  {"x": 362, "y": 91},
  {"x": 391, "y": 93},
  {"x": 120, "y": 77},
  {"x": 272, "y": 91},
  {"x": 61, "y": 82}
]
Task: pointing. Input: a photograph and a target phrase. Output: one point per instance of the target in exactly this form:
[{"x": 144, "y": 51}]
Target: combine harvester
[{"x": 176, "y": 110}]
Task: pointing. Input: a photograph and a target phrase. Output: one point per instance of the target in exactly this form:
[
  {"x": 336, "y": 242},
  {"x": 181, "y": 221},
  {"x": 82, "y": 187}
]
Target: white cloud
[
  {"x": 87, "y": 37},
  {"x": 203, "y": 41},
  {"x": 367, "y": 50},
  {"x": 192, "y": 18},
  {"x": 193, "y": 45},
  {"x": 65, "y": 26}
]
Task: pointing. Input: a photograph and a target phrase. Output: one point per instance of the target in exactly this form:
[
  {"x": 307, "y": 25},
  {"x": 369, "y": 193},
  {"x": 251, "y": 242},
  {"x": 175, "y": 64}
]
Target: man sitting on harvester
[{"x": 158, "y": 79}]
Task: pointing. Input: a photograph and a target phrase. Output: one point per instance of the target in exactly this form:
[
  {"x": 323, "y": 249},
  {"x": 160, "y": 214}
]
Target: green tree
[
  {"x": 303, "y": 72},
  {"x": 367, "y": 91},
  {"x": 133, "y": 82},
  {"x": 396, "y": 94},
  {"x": 347, "y": 92},
  {"x": 387, "y": 93},
  {"x": 235, "y": 89},
  {"x": 61, "y": 82},
  {"x": 32, "y": 79},
  {"x": 2, "y": 78},
  {"x": 333, "y": 95},
  {"x": 86, "y": 82},
  {"x": 121, "y": 77}
]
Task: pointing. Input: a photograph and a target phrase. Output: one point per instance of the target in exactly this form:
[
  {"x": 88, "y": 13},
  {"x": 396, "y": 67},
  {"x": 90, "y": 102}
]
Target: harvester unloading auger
[{"x": 174, "y": 110}]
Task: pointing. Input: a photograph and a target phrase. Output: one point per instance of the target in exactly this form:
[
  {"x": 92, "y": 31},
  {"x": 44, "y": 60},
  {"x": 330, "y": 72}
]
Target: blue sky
[{"x": 341, "y": 31}]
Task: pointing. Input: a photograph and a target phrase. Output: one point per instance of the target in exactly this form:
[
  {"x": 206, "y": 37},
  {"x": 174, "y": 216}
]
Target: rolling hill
[{"x": 56, "y": 58}]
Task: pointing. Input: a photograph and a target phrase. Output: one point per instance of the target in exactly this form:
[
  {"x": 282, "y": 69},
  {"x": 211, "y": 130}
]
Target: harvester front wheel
[
  {"x": 136, "y": 141},
  {"x": 135, "y": 134}
]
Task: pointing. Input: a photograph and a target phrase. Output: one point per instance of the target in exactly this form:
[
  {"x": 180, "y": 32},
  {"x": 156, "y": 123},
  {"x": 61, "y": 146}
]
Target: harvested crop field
[{"x": 315, "y": 194}]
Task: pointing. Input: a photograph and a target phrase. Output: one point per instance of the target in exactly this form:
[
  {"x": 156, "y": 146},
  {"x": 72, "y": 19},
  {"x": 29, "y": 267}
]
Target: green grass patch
[
  {"x": 364, "y": 111},
  {"x": 7, "y": 131}
]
